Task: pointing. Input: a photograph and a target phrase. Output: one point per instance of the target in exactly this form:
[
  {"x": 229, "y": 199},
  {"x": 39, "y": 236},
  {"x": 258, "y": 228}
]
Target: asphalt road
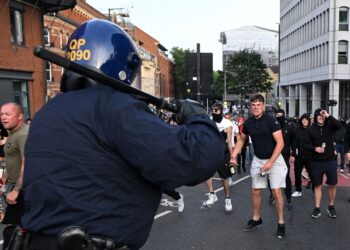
[{"x": 197, "y": 228}]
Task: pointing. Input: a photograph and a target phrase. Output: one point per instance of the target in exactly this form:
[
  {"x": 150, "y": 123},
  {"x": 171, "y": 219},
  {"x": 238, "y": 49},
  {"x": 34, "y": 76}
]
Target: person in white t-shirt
[{"x": 225, "y": 127}]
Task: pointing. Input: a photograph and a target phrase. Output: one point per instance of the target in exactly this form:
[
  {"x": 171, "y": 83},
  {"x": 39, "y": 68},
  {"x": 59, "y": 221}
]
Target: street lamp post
[{"x": 225, "y": 85}]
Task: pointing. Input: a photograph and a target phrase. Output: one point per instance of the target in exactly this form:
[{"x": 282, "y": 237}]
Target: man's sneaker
[
  {"x": 289, "y": 205},
  {"x": 180, "y": 204},
  {"x": 230, "y": 181},
  {"x": 228, "y": 205},
  {"x": 341, "y": 170},
  {"x": 281, "y": 231},
  {"x": 252, "y": 224},
  {"x": 316, "y": 213},
  {"x": 271, "y": 200},
  {"x": 212, "y": 198},
  {"x": 331, "y": 212},
  {"x": 296, "y": 194}
]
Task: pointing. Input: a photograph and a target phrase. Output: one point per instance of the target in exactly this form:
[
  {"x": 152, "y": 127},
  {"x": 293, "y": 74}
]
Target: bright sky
[{"x": 184, "y": 23}]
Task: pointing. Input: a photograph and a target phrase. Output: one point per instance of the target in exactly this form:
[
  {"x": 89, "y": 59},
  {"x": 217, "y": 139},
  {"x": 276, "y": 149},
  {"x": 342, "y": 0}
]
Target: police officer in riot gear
[{"x": 94, "y": 169}]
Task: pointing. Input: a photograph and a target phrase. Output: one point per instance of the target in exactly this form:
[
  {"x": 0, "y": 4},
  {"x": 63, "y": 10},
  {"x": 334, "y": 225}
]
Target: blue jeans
[{"x": 340, "y": 150}]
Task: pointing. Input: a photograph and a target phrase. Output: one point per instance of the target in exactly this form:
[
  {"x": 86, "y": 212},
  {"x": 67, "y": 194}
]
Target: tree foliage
[
  {"x": 179, "y": 56},
  {"x": 246, "y": 74},
  {"x": 218, "y": 84}
]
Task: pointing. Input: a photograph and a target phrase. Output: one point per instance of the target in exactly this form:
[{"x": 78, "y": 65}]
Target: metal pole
[
  {"x": 279, "y": 63},
  {"x": 109, "y": 14},
  {"x": 198, "y": 72},
  {"x": 224, "y": 85}
]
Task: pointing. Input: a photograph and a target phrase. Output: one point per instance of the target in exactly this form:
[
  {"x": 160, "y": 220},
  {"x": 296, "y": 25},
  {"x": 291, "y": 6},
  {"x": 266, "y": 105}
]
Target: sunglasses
[{"x": 216, "y": 110}]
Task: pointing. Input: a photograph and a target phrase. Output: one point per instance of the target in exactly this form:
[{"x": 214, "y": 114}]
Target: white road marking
[{"x": 162, "y": 214}]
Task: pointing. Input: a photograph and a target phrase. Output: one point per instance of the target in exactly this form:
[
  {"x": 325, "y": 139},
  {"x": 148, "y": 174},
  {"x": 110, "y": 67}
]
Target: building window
[
  {"x": 343, "y": 19},
  {"x": 48, "y": 71},
  {"x": 20, "y": 91},
  {"x": 309, "y": 99},
  {"x": 17, "y": 30},
  {"x": 343, "y": 52},
  {"x": 46, "y": 37},
  {"x": 344, "y": 99}
]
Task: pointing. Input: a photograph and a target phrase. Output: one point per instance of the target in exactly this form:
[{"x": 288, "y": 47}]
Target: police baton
[{"x": 102, "y": 78}]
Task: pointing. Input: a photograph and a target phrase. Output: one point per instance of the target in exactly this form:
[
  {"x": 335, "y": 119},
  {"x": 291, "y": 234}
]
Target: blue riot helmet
[{"x": 104, "y": 46}]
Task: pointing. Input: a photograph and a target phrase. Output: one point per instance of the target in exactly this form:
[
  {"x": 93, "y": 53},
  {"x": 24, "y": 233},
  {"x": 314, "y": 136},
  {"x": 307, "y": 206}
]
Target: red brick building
[
  {"x": 22, "y": 77},
  {"x": 29, "y": 80},
  {"x": 57, "y": 29},
  {"x": 164, "y": 73}
]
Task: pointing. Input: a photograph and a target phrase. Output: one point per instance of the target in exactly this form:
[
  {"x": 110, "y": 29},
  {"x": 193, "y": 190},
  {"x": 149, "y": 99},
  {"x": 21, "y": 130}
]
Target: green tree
[
  {"x": 218, "y": 84},
  {"x": 179, "y": 55},
  {"x": 246, "y": 74}
]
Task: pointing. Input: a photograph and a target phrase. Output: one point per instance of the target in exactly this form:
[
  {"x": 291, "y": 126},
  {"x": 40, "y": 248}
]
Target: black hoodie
[
  {"x": 322, "y": 134},
  {"x": 301, "y": 139}
]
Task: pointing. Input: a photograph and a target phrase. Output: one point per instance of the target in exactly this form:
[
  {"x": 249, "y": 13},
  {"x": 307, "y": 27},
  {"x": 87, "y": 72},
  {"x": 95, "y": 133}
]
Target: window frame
[
  {"x": 343, "y": 54},
  {"x": 47, "y": 40},
  {"x": 344, "y": 25},
  {"x": 17, "y": 27}
]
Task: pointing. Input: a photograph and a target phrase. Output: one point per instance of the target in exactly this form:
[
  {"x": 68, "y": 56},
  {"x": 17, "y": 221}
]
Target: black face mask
[
  {"x": 217, "y": 117},
  {"x": 281, "y": 119}
]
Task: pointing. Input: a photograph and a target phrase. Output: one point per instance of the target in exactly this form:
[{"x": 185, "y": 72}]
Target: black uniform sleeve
[{"x": 166, "y": 155}]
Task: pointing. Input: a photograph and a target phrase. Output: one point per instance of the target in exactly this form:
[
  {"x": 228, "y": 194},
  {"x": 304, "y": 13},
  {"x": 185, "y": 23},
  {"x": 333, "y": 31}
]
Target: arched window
[
  {"x": 48, "y": 71},
  {"x": 343, "y": 52},
  {"x": 46, "y": 37},
  {"x": 343, "y": 19}
]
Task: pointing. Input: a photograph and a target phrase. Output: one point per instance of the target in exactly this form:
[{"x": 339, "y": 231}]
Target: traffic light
[{"x": 332, "y": 103}]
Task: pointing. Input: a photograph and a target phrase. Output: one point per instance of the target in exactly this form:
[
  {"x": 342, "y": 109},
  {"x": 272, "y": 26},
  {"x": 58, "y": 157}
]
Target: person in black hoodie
[
  {"x": 302, "y": 157},
  {"x": 288, "y": 137},
  {"x": 321, "y": 144}
]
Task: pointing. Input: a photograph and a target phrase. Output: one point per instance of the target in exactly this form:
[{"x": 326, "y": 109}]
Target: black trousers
[
  {"x": 173, "y": 194},
  {"x": 301, "y": 162}
]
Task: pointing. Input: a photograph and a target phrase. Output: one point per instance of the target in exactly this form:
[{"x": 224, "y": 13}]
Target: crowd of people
[{"x": 312, "y": 146}]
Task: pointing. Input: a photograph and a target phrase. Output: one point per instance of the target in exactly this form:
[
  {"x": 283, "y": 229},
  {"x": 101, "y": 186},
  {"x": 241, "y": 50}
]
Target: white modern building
[
  {"x": 314, "y": 61},
  {"x": 261, "y": 40},
  {"x": 253, "y": 38}
]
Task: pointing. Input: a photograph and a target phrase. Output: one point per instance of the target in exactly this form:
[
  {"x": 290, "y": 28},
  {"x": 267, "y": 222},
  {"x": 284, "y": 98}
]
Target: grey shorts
[{"x": 276, "y": 175}]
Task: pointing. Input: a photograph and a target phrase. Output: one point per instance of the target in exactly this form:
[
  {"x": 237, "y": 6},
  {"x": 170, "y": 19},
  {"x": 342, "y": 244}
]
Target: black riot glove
[{"x": 186, "y": 108}]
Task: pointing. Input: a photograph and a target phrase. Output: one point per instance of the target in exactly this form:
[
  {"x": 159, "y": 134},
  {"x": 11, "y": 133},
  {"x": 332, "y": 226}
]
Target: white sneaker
[
  {"x": 228, "y": 205},
  {"x": 230, "y": 181},
  {"x": 180, "y": 204},
  {"x": 296, "y": 194},
  {"x": 212, "y": 198},
  {"x": 341, "y": 170}
]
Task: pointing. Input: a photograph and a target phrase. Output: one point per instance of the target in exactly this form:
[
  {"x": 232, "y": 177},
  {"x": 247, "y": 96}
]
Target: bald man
[{"x": 11, "y": 115}]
